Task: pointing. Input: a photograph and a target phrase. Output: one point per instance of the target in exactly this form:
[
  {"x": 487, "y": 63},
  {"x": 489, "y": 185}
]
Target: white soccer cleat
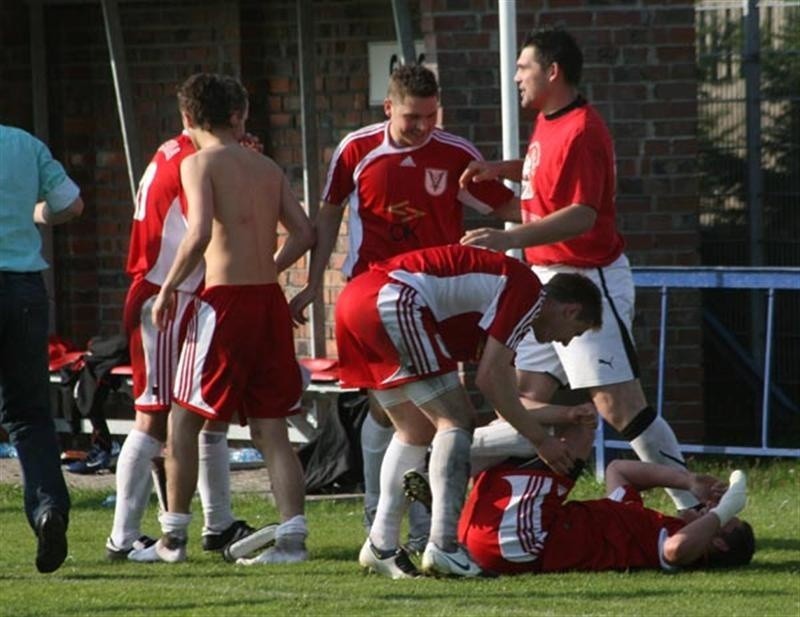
[
  {"x": 169, "y": 548},
  {"x": 275, "y": 555},
  {"x": 392, "y": 563},
  {"x": 437, "y": 562}
]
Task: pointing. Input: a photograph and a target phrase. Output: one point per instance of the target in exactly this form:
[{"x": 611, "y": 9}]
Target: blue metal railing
[{"x": 666, "y": 278}]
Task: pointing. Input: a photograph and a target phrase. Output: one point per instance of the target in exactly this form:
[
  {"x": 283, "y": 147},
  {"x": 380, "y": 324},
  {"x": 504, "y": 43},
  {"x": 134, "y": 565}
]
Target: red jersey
[
  {"x": 159, "y": 220},
  {"x": 404, "y": 198},
  {"x": 416, "y": 315},
  {"x": 515, "y": 520},
  {"x": 471, "y": 292},
  {"x": 570, "y": 160}
]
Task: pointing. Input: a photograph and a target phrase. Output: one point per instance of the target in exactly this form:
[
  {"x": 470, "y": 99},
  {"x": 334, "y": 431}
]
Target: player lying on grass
[{"x": 516, "y": 518}]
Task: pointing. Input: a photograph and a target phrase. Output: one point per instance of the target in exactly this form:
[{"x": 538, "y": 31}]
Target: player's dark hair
[
  {"x": 210, "y": 99},
  {"x": 412, "y": 80},
  {"x": 571, "y": 287},
  {"x": 741, "y": 543},
  {"x": 557, "y": 45}
]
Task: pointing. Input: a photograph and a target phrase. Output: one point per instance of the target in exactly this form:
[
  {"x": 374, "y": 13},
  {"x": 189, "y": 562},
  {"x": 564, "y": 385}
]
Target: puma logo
[{"x": 609, "y": 363}]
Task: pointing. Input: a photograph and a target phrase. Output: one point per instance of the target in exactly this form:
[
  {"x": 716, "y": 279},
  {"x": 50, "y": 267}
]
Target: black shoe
[
  {"x": 51, "y": 531},
  {"x": 218, "y": 541},
  {"x": 417, "y": 488}
]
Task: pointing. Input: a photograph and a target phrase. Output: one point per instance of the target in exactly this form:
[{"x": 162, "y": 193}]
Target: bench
[{"x": 319, "y": 397}]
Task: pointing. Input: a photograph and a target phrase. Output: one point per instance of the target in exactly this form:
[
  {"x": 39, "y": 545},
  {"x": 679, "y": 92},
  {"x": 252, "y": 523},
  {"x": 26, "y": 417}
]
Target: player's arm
[
  {"x": 199, "y": 216},
  {"x": 557, "y": 226},
  {"x": 643, "y": 476},
  {"x": 497, "y": 380},
  {"x": 560, "y": 415},
  {"x": 327, "y": 224},
  {"x": 300, "y": 230},
  {"x": 480, "y": 171},
  {"x": 43, "y": 215}
]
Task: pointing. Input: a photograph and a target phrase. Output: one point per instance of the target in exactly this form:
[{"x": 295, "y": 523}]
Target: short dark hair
[
  {"x": 412, "y": 80},
  {"x": 571, "y": 287},
  {"x": 210, "y": 99},
  {"x": 741, "y": 543},
  {"x": 557, "y": 45}
]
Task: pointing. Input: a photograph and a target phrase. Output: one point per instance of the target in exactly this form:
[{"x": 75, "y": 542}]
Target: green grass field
[{"x": 332, "y": 584}]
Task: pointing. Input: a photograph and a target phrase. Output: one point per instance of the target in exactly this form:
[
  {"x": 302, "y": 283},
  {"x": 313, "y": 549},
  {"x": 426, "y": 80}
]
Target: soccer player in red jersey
[
  {"x": 400, "y": 180},
  {"x": 568, "y": 192},
  {"x": 517, "y": 518},
  {"x": 401, "y": 329}
]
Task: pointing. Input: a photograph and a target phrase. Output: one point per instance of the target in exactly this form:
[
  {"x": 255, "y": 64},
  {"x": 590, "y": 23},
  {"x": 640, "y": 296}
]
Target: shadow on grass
[{"x": 777, "y": 544}]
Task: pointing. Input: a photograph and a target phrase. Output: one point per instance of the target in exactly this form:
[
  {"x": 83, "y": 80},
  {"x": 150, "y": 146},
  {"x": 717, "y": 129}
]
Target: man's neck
[
  {"x": 219, "y": 137},
  {"x": 559, "y": 100}
]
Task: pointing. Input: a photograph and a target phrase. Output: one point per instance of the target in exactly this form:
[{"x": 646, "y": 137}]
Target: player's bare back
[{"x": 242, "y": 192}]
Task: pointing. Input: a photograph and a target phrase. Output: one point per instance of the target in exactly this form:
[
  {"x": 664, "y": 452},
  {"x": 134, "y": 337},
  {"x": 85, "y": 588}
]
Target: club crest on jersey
[{"x": 435, "y": 181}]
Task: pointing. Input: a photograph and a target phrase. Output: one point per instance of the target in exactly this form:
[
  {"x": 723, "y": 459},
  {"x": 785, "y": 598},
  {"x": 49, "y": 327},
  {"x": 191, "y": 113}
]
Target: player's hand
[
  {"x": 556, "y": 454},
  {"x": 487, "y": 237},
  {"x": 477, "y": 171},
  {"x": 585, "y": 413},
  {"x": 707, "y": 489},
  {"x": 248, "y": 140},
  {"x": 298, "y": 304},
  {"x": 163, "y": 310}
]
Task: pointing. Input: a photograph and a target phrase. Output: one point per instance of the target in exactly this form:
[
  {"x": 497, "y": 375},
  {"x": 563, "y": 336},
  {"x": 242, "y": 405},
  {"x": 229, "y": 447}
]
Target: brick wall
[
  {"x": 270, "y": 69},
  {"x": 639, "y": 72}
]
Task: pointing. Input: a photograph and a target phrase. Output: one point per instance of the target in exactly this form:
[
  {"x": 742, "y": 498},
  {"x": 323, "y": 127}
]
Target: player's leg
[
  {"x": 153, "y": 355},
  {"x": 451, "y": 411},
  {"x": 220, "y": 526},
  {"x": 407, "y": 449},
  {"x": 134, "y": 483},
  {"x": 287, "y": 482},
  {"x": 376, "y": 433},
  {"x": 606, "y": 363},
  {"x": 624, "y": 407},
  {"x": 181, "y": 466}
]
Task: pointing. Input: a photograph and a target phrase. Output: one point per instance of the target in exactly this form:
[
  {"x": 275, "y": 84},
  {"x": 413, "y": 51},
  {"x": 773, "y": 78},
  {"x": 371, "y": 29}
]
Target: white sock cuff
[
  {"x": 457, "y": 433},
  {"x": 295, "y": 525},
  {"x": 175, "y": 522},
  {"x": 211, "y": 438},
  {"x": 143, "y": 444}
]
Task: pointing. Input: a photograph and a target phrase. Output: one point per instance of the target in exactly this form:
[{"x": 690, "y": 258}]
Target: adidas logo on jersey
[{"x": 408, "y": 162}]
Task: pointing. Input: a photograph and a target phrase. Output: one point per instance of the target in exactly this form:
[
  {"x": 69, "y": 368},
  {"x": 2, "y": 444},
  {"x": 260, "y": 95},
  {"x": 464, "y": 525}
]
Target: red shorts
[
  {"x": 238, "y": 356},
  {"x": 153, "y": 352},
  {"x": 385, "y": 335}
]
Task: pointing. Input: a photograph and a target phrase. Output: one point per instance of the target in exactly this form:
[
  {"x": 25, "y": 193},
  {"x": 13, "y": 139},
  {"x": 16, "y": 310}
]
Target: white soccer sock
[
  {"x": 374, "y": 441},
  {"x": 734, "y": 499},
  {"x": 493, "y": 443},
  {"x": 449, "y": 472},
  {"x": 400, "y": 458},
  {"x": 175, "y": 523},
  {"x": 291, "y": 535},
  {"x": 657, "y": 444},
  {"x": 134, "y": 484},
  {"x": 214, "y": 481}
]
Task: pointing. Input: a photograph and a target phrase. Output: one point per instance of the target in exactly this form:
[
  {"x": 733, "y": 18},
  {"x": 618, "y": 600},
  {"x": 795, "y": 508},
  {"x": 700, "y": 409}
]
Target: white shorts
[
  {"x": 418, "y": 392},
  {"x": 596, "y": 358}
]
